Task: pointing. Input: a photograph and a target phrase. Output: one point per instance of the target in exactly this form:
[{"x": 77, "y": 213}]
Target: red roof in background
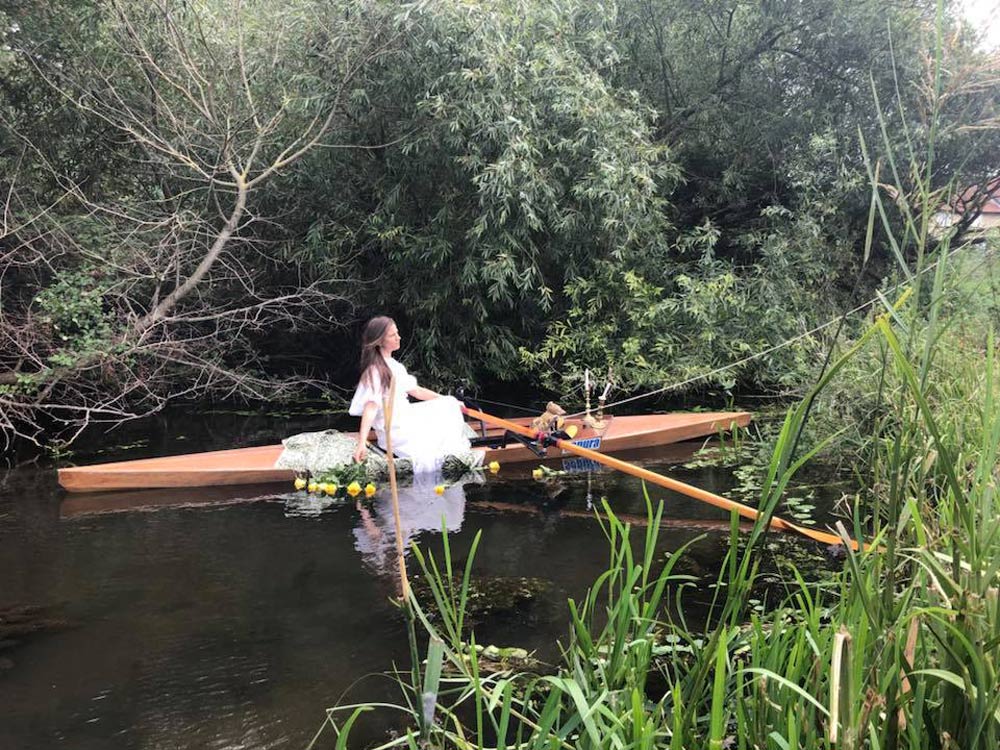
[{"x": 968, "y": 199}]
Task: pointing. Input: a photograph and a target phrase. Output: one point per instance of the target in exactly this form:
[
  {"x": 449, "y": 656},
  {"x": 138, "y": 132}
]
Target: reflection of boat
[
  {"x": 675, "y": 453},
  {"x": 421, "y": 509},
  {"x": 694, "y": 524},
  {"x": 177, "y": 497},
  {"x": 256, "y": 465}
]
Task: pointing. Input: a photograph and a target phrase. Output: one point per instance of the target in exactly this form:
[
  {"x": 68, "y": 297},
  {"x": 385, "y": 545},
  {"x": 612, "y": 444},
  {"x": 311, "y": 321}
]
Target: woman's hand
[
  {"x": 367, "y": 418},
  {"x": 360, "y": 453}
]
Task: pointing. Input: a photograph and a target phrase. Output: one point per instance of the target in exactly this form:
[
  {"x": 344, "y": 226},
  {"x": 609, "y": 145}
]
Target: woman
[{"x": 424, "y": 432}]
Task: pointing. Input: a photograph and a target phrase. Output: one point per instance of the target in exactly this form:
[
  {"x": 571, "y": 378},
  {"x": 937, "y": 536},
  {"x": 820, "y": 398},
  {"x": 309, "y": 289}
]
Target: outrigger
[{"x": 562, "y": 441}]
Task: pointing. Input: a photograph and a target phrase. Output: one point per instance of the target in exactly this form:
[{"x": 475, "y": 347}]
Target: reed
[{"x": 899, "y": 649}]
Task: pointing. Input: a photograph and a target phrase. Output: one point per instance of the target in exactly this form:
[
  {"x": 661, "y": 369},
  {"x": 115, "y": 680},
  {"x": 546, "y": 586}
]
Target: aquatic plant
[{"x": 899, "y": 649}]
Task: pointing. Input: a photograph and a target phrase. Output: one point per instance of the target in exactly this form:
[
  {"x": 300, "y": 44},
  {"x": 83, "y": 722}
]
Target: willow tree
[
  {"x": 512, "y": 167},
  {"x": 764, "y": 107},
  {"x": 151, "y": 281}
]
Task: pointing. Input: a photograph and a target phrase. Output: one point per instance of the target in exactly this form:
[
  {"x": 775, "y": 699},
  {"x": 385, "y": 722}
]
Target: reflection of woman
[
  {"x": 420, "y": 509},
  {"x": 424, "y": 432}
]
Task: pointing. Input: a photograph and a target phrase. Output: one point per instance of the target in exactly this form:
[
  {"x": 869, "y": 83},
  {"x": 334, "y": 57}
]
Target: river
[{"x": 232, "y": 618}]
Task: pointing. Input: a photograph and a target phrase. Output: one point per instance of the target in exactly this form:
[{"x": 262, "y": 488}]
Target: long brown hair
[{"x": 372, "y": 360}]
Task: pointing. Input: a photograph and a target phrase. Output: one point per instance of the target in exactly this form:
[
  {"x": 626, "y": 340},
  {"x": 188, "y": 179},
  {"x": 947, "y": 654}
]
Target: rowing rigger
[{"x": 745, "y": 511}]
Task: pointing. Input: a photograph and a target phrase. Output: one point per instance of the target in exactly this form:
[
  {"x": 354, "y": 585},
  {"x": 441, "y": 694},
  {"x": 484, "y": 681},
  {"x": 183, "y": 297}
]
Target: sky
[{"x": 985, "y": 15}]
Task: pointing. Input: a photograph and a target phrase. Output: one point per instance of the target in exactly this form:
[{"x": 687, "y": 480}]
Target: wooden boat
[
  {"x": 256, "y": 465},
  {"x": 78, "y": 504}
]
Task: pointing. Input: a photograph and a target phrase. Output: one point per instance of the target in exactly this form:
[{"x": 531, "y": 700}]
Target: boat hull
[{"x": 256, "y": 465}]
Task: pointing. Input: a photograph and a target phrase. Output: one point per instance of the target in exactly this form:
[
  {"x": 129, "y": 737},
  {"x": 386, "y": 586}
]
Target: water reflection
[
  {"x": 420, "y": 509},
  {"x": 176, "y": 498}
]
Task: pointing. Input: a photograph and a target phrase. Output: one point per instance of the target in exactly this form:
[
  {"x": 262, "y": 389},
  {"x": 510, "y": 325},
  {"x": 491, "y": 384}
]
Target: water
[{"x": 232, "y": 618}]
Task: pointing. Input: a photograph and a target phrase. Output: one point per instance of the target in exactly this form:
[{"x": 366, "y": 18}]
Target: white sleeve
[
  {"x": 365, "y": 393},
  {"x": 404, "y": 381}
]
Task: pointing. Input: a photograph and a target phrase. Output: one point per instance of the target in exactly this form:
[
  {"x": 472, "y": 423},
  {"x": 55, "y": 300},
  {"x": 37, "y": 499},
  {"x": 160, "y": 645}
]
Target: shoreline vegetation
[
  {"x": 897, "y": 648},
  {"x": 197, "y": 209}
]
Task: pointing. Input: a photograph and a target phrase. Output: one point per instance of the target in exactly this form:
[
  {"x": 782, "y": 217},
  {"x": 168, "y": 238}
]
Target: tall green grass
[{"x": 899, "y": 650}]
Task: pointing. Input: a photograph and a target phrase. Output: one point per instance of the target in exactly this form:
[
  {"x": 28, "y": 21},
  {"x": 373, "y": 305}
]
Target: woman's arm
[{"x": 367, "y": 418}]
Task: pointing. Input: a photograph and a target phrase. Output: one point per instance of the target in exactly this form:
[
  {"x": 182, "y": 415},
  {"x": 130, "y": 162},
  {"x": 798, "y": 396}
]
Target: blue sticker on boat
[
  {"x": 578, "y": 465},
  {"x": 593, "y": 443}
]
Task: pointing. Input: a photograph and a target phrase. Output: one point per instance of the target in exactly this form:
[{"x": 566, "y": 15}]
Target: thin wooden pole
[
  {"x": 404, "y": 581},
  {"x": 387, "y": 406}
]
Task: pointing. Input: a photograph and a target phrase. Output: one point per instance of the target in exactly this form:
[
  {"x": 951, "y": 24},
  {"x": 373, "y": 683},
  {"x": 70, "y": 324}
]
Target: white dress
[{"x": 425, "y": 432}]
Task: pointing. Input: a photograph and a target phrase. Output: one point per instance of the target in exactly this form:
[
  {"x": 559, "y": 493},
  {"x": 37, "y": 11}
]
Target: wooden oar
[
  {"x": 652, "y": 477},
  {"x": 387, "y": 407}
]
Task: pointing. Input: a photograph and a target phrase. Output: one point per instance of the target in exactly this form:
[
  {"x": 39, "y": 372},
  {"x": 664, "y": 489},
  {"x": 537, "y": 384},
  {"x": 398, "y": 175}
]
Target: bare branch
[{"x": 166, "y": 305}]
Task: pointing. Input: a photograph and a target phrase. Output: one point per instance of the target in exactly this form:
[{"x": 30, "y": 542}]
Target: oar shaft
[
  {"x": 388, "y": 406},
  {"x": 660, "y": 480}
]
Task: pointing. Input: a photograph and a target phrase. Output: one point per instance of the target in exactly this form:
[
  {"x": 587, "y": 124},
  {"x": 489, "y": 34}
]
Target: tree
[
  {"x": 765, "y": 107},
  {"x": 196, "y": 192},
  {"x": 136, "y": 288},
  {"x": 514, "y": 167}
]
